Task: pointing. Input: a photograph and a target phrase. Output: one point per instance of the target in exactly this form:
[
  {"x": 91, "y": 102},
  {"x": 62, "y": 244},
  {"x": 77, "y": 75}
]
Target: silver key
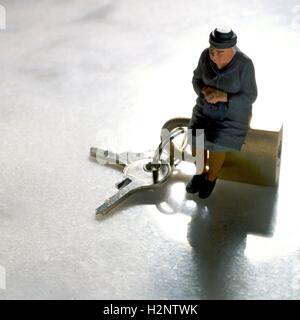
[{"x": 138, "y": 175}]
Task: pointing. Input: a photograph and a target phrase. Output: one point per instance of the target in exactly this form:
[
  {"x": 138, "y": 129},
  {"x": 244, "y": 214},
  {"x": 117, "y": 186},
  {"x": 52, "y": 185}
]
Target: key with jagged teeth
[
  {"x": 137, "y": 175},
  {"x": 141, "y": 170}
]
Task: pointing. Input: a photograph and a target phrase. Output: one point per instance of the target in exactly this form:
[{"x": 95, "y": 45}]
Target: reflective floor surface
[{"x": 77, "y": 74}]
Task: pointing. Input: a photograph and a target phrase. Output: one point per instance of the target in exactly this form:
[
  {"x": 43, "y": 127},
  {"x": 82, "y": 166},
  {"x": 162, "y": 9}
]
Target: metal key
[{"x": 138, "y": 175}]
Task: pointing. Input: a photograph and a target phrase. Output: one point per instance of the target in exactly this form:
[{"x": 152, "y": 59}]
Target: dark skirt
[{"x": 220, "y": 133}]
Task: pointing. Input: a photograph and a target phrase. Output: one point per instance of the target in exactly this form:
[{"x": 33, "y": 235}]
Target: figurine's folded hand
[
  {"x": 212, "y": 95},
  {"x": 207, "y": 90}
]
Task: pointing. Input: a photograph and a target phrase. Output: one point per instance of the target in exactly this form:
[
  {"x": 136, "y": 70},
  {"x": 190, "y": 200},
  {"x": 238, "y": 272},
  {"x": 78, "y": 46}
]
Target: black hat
[{"x": 222, "y": 38}]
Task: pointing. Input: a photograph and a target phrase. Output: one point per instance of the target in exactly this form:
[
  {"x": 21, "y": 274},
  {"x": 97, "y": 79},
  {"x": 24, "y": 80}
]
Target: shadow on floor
[{"x": 218, "y": 234}]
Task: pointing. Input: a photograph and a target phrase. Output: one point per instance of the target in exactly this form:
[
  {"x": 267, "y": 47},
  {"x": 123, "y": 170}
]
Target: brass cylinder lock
[{"x": 258, "y": 162}]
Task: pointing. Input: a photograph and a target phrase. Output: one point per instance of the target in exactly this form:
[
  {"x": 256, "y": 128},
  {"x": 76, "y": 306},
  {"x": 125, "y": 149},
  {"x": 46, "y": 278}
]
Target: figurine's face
[{"x": 221, "y": 57}]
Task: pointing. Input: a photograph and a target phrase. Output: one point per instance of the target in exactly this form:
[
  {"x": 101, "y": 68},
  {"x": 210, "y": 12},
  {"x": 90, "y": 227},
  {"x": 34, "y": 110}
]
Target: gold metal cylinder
[{"x": 258, "y": 162}]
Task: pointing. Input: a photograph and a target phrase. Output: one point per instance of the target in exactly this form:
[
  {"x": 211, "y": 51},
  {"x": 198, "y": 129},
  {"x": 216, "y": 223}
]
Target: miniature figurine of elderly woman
[{"x": 224, "y": 81}]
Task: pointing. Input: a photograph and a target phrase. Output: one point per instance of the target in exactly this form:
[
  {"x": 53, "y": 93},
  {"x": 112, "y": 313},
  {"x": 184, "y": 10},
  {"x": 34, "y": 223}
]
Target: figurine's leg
[{"x": 216, "y": 160}]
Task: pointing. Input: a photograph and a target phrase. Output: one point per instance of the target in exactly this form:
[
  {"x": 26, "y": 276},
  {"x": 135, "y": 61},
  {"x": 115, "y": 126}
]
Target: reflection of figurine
[{"x": 224, "y": 81}]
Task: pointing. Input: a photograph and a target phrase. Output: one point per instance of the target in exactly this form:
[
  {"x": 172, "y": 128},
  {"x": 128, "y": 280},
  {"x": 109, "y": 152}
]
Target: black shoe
[
  {"x": 194, "y": 185},
  {"x": 206, "y": 188}
]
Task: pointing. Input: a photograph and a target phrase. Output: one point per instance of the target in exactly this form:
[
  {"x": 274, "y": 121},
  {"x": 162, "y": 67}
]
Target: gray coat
[{"x": 225, "y": 124}]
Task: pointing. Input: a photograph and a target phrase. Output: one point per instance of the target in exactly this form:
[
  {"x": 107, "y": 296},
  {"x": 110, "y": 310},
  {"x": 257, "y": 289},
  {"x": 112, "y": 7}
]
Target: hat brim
[{"x": 224, "y": 43}]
